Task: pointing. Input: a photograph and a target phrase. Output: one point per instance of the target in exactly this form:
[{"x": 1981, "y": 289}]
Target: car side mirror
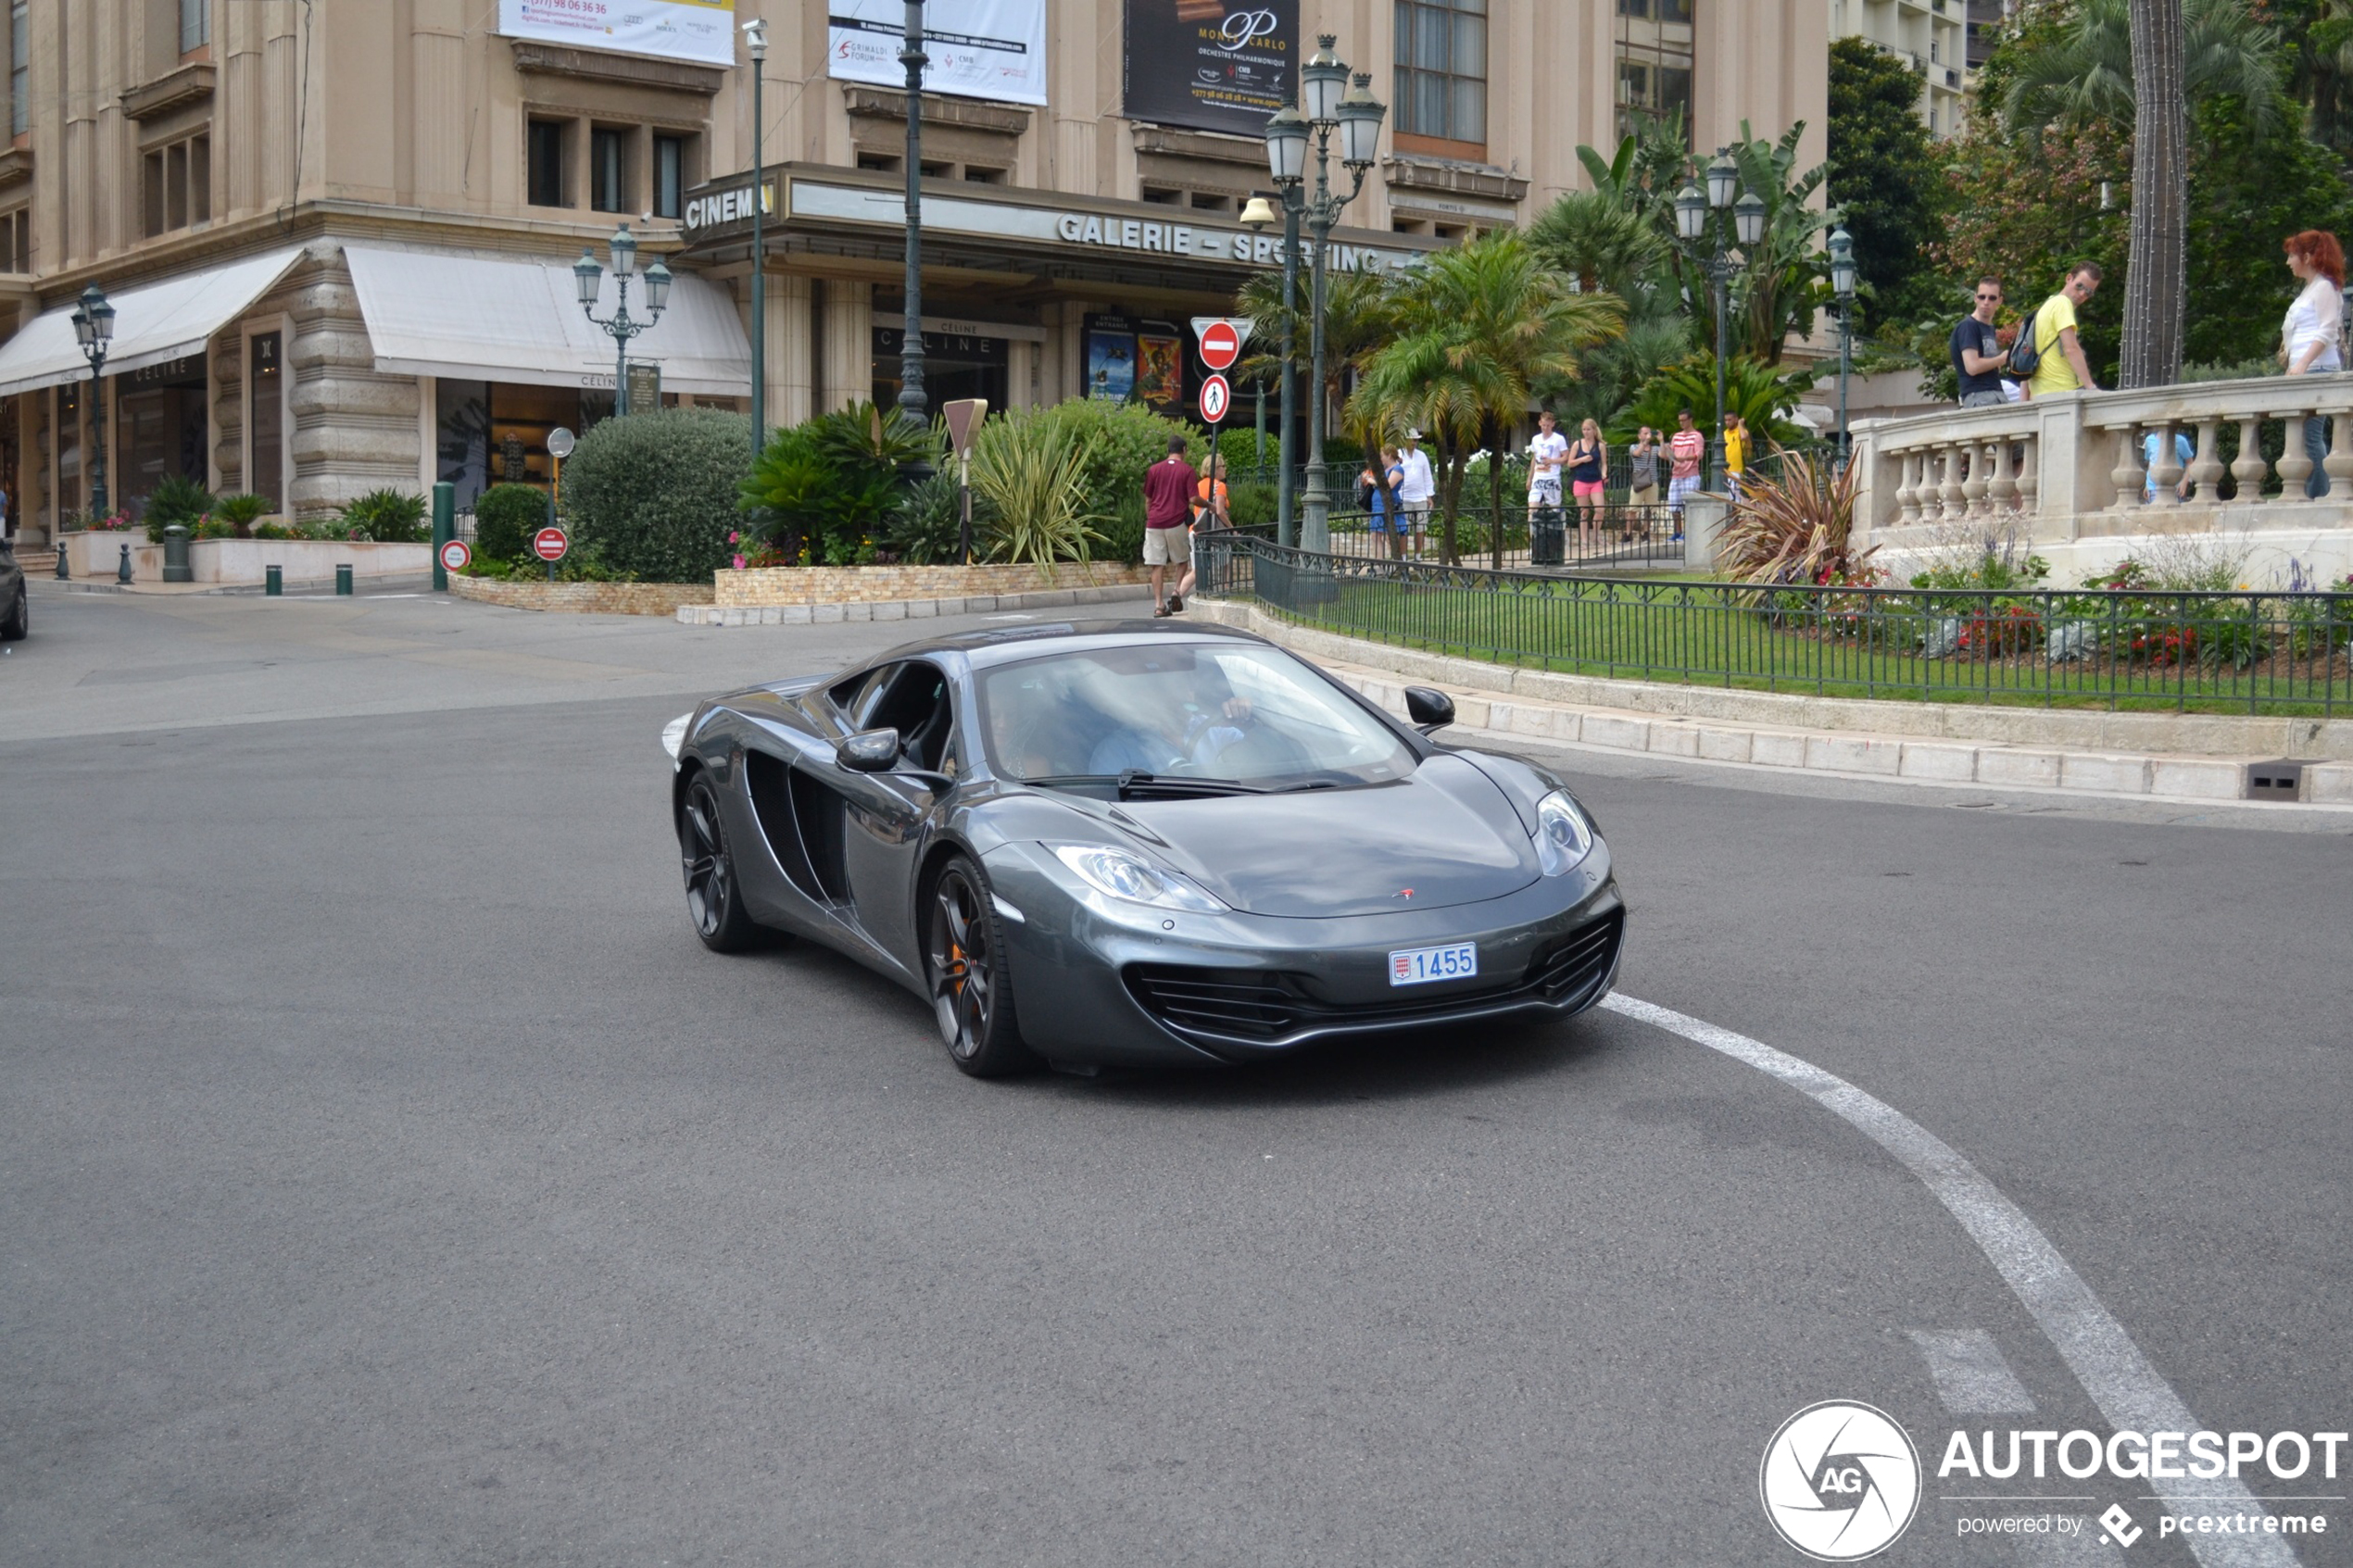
[
  {"x": 1429, "y": 709},
  {"x": 875, "y": 751}
]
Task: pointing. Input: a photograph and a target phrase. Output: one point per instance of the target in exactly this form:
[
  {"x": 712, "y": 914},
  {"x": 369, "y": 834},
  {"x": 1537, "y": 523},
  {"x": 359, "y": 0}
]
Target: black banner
[{"x": 1210, "y": 65}]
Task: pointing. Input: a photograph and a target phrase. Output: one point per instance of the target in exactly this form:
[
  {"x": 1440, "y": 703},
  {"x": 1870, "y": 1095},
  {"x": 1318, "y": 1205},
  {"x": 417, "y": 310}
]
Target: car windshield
[{"x": 1242, "y": 713}]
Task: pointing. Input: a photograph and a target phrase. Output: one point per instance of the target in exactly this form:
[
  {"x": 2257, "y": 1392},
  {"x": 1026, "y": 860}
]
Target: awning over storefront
[
  {"x": 154, "y": 323},
  {"x": 433, "y": 314}
]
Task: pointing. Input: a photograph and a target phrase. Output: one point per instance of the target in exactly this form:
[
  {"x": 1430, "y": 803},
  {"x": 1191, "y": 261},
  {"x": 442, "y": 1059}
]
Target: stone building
[
  {"x": 1936, "y": 38},
  {"x": 339, "y": 234}
]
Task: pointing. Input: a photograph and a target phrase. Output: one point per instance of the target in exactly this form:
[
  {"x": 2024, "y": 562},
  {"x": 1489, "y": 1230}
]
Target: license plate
[{"x": 1419, "y": 966}]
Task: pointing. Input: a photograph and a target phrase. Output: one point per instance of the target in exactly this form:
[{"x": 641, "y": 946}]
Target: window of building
[
  {"x": 977, "y": 175},
  {"x": 175, "y": 185},
  {"x": 16, "y": 241},
  {"x": 265, "y": 417},
  {"x": 609, "y": 169},
  {"x": 195, "y": 25},
  {"x": 1657, "y": 45},
  {"x": 544, "y": 157},
  {"x": 880, "y": 163},
  {"x": 942, "y": 170},
  {"x": 1161, "y": 195},
  {"x": 20, "y": 67},
  {"x": 1441, "y": 72},
  {"x": 670, "y": 176}
]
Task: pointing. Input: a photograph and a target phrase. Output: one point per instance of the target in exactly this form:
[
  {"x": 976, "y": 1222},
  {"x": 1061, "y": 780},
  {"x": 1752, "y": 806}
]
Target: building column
[
  {"x": 792, "y": 352},
  {"x": 355, "y": 430},
  {"x": 849, "y": 329}
]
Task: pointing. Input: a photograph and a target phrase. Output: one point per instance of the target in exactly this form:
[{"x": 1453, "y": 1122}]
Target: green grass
[{"x": 1712, "y": 635}]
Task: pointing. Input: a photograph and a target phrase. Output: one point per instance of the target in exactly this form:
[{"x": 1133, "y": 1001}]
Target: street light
[
  {"x": 1700, "y": 224},
  {"x": 93, "y": 329},
  {"x": 1841, "y": 249},
  {"x": 1286, "y": 148},
  {"x": 756, "y": 39},
  {"x": 914, "y": 407},
  {"x": 621, "y": 326},
  {"x": 1357, "y": 115},
  {"x": 1258, "y": 216}
]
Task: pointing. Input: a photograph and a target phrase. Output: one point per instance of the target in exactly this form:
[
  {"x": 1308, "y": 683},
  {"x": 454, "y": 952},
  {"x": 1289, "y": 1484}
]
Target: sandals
[{"x": 1175, "y": 605}]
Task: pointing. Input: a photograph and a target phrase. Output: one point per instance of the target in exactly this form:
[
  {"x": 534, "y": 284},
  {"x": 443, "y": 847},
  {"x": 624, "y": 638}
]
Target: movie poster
[
  {"x": 1111, "y": 358},
  {"x": 1160, "y": 368},
  {"x": 1210, "y": 65}
]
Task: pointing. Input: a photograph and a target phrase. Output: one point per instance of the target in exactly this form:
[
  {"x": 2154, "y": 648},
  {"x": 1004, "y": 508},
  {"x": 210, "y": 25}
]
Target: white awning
[
  {"x": 154, "y": 324},
  {"x": 434, "y": 314}
]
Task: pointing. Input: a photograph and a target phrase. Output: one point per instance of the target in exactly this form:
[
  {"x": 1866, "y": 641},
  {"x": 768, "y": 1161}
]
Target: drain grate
[{"x": 2274, "y": 781}]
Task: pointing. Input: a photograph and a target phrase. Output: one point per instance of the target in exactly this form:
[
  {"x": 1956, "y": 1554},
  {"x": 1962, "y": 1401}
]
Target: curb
[
  {"x": 1374, "y": 669},
  {"x": 905, "y": 609}
]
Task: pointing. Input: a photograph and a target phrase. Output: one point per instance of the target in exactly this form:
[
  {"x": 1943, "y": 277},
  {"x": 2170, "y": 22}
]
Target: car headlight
[
  {"x": 1564, "y": 835},
  {"x": 674, "y": 735},
  {"x": 1123, "y": 875}
]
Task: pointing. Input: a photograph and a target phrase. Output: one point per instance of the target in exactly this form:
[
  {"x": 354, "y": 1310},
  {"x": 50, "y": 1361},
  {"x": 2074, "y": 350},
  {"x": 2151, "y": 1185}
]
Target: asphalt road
[{"x": 390, "y": 1177}]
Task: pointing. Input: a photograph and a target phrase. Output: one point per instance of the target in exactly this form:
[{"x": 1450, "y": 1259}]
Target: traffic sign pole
[{"x": 444, "y": 529}]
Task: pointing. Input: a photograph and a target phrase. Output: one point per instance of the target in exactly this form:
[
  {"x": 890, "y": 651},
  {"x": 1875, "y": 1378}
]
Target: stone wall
[
  {"x": 583, "y": 598},
  {"x": 875, "y": 584}
]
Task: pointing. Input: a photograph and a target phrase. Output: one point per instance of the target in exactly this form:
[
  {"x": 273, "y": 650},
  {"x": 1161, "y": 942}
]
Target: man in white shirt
[{"x": 1417, "y": 488}]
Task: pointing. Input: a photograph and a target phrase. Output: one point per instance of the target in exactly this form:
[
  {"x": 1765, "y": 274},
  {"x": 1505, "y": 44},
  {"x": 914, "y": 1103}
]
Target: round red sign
[
  {"x": 1220, "y": 346},
  {"x": 1217, "y": 396},
  {"x": 455, "y": 554},
  {"x": 549, "y": 544}
]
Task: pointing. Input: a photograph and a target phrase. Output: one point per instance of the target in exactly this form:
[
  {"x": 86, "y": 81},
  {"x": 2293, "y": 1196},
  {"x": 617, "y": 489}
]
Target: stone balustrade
[{"x": 2067, "y": 475}]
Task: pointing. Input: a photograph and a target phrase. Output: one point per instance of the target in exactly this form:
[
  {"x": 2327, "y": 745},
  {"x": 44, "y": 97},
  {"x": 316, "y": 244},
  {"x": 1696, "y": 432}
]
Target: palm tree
[
  {"x": 2221, "y": 48},
  {"x": 1475, "y": 326},
  {"x": 1358, "y": 318},
  {"x": 2156, "y": 279}
]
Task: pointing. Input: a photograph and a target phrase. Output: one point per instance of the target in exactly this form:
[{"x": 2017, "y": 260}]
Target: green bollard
[
  {"x": 273, "y": 582},
  {"x": 343, "y": 579},
  {"x": 445, "y": 528}
]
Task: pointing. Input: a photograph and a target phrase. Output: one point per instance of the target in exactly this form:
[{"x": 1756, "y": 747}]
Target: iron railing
[
  {"x": 2255, "y": 652},
  {"x": 1616, "y": 533}
]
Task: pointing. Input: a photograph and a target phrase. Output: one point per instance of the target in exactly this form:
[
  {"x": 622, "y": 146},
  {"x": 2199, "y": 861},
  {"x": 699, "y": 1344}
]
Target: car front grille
[{"x": 1265, "y": 1006}]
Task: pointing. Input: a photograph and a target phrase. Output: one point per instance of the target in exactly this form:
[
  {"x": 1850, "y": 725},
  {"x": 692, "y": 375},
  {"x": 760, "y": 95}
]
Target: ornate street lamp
[
  {"x": 756, "y": 39},
  {"x": 1700, "y": 224},
  {"x": 93, "y": 329},
  {"x": 913, "y": 404},
  {"x": 621, "y": 326},
  {"x": 1842, "y": 248},
  {"x": 1331, "y": 105}
]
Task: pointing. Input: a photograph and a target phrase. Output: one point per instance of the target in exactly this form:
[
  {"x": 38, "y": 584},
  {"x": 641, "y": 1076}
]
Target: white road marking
[
  {"x": 1972, "y": 1377},
  {"x": 2110, "y": 1367}
]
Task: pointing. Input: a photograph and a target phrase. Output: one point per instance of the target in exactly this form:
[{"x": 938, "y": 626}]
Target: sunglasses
[{"x": 1994, "y": 298}]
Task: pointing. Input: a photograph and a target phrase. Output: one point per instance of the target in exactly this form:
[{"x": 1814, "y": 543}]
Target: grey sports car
[{"x": 1140, "y": 843}]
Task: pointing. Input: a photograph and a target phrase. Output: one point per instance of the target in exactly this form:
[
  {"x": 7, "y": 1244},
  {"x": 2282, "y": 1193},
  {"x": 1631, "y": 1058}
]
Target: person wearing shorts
[
  {"x": 1641, "y": 460},
  {"x": 1588, "y": 476},
  {"x": 1169, "y": 486},
  {"x": 1686, "y": 450},
  {"x": 1420, "y": 486}
]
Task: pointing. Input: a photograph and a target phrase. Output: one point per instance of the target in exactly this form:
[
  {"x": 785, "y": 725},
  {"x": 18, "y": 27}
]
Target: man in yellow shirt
[
  {"x": 2063, "y": 367},
  {"x": 1735, "y": 453}
]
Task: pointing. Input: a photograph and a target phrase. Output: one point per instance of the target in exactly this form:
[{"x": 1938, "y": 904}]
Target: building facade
[
  {"x": 1933, "y": 36},
  {"x": 339, "y": 234}
]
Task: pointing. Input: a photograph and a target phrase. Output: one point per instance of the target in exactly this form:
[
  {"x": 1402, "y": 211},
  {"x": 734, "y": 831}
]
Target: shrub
[
  {"x": 928, "y": 526},
  {"x": 1033, "y": 468},
  {"x": 655, "y": 494},
  {"x": 240, "y": 512},
  {"x": 1121, "y": 440},
  {"x": 388, "y": 517},
  {"x": 214, "y": 528},
  {"x": 1796, "y": 527},
  {"x": 1251, "y": 504},
  {"x": 806, "y": 502},
  {"x": 1123, "y": 528},
  {"x": 505, "y": 516},
  {"x": 176, "y": 500}
]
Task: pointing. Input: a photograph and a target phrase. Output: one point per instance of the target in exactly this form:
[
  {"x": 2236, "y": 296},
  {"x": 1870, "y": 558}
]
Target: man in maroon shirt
[{"x": 1168, "y": 500}]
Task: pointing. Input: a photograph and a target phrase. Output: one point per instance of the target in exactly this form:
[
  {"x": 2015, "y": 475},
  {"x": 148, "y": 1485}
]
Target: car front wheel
[
  {"x": 965, "y": 964},
  {"x": 715, "y": 896}
]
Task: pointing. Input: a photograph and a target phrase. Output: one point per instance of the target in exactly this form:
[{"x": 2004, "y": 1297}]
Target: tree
[
  {"x": 1604, "y": 244},
  {"x": 2076, "y": 61},
  {"x": 1475, "y": 326},
  {"x": 1886, "y": 174},
  {"x": 2155, "y": 283},
  {"x": 1358, "y": 317}
]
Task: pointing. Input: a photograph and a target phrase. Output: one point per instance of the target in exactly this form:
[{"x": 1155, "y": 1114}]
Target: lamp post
[
  {"x": 1842, "y": 280},
  {"x": 1701, "y": 216},
  {"x": 756, "y": 37},
  {"x": 1330, "y": 105},
  {"x": 914, "y": 404},
  {"x": 94, "y": 329},
  {"x": 1259, "y": 215},
  {"x": 621, "y": 326}
]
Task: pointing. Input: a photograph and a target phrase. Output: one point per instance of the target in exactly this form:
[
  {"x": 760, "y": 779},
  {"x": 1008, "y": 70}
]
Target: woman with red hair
[{"x": 2310, "y": 337}]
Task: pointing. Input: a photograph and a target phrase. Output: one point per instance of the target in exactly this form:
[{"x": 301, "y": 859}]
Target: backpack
[{"x": 2025, "y": 358}]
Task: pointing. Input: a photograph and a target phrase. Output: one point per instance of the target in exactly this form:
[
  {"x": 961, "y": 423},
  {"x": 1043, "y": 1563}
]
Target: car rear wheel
[
  {"x": 19, "y": 620},
  {"x": 715, "y": 896},
  {"x": 964, "y": 965}
]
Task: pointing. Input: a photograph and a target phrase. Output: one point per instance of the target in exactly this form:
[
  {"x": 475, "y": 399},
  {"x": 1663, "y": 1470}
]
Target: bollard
[
  {"x": 343, "y": 579},
  {"x": 122, "y": 570},
  {"x": 65, "y": 572},
  {"x": 175, "y": 555},
  {"x": 273, "y": 582}
]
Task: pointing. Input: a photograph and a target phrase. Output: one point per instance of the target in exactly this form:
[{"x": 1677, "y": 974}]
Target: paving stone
[
  {"x": 1854, "y": 754},
  {"x": 2107, "y": 773},
  {"x": 2016, "y": 767},
  {"x": 1777, "y": 749},
  {"x": 2205, "y": 778},
  {"x": 1719, "y": 744},
  {"x": 1621, "y": 731},
  {"x": 1945, "y": 760}
]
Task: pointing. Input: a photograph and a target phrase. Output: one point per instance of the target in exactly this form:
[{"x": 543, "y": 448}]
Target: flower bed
[{"x": 758, "y": 588}]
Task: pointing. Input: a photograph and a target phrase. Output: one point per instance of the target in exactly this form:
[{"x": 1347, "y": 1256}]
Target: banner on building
[
  {"x": 700, "y": 30},
  {"x": 977, "y": 48},
  {"x": 1210, "y": 65}
]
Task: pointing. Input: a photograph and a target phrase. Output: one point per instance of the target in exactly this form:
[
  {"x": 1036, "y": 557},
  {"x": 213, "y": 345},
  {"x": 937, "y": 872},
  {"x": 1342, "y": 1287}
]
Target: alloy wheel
[{"x": 963, "y": 967}]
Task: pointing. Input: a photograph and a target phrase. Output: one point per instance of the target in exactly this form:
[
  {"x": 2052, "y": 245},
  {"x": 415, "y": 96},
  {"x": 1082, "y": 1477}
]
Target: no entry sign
[
  {"x": 550, "y": 544},
  {"x": 1217, "y": 397},
  {"x": 1221, "y": 339},
  {"x": 454, "y": 556}
]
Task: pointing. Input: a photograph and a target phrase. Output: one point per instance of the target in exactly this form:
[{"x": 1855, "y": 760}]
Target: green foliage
[
  {"x": 2249, "y": 190},
  {"x": 1887, "y": 174},
  {"x": 214, "y": 528},
  {"x": 656, "y": 493},
  {"x": 1252, "y": 505},
  {"x": 505, "y": 516},
  {"x": 928, "y": 526},
  {"x": 1117, "y": 442},
  {"x": 1751, "y": 390},
  {"x": 815, "y": 491},
  {"x": 176, "y": 500},
  {"x": 388, "y": 517},
  {"x": 241, "y": 512},
  {"x": 2077, "y": 68},
  {"x": 1033, "y": 467}
]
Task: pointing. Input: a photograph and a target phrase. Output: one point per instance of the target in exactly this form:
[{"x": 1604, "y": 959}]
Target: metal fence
[
  {"x": 1616, "y": 533},
  {"x": 2283, "y": 653}
]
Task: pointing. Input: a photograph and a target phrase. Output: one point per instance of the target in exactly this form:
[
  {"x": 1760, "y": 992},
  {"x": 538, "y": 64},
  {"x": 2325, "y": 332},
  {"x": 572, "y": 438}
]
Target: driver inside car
[{"x": 1196, "y": 732}]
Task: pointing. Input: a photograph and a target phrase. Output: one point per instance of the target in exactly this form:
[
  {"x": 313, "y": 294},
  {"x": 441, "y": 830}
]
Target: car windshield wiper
[{"x": 1137, "y": 785}]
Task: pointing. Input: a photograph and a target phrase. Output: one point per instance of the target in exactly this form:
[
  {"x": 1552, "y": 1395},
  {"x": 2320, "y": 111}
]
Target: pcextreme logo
[{"x": 1841, "y": 1481}]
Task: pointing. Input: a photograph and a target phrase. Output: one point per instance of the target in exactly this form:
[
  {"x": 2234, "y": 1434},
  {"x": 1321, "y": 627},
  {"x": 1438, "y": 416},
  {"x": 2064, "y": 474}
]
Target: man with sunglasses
[{"x": 1977, "y": 351}]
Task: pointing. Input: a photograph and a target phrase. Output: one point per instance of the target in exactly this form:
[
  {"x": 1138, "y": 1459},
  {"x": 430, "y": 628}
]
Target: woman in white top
[{"x": 2308, "y": 338}]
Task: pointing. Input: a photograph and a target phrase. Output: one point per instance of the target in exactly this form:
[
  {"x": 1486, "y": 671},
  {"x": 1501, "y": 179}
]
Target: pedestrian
[
  {"x": 1686, "y": 449},
  {"x": 1735, "y": 454},
  {"x": 1211, "y": 512},
  {"x": 1419, "y": 488},
  {"x": 1641, "y": 462},
  {"x": 1588, "y": 477},
  {"x": 1384, "y": 478},
  {"x": 2183, "y": 453},
  {"x": 1547, "y": 455},
  {"x": 1168, "y": 495},
  {"x": 1977, "y": 348},
  {"x": 2060, "y": 366},
  {"x": 2310, "y": 338}
]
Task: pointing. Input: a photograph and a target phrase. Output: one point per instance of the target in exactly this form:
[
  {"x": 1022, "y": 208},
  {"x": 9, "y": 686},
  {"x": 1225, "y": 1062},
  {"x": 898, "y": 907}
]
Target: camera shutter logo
[{"x": 1841, "y": 1481}]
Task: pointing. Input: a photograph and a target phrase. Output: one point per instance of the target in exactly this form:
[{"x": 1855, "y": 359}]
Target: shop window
[
  {"x": 265, "y": 417},
  {"x": 544, "y": 157},
  {"x": 16, "y": 241},
  {"x": 20, "y": 67},
  {"x": 1442, "y": 74},
  {"x": 175, "y": 185},
  {"x": 195, "y": 25},
  {"x": 609, "y": 169},
  {"x": 1656, "y": 10},
  {"x": 670, "y": 176},
  {"x": 69, "y": 448}
]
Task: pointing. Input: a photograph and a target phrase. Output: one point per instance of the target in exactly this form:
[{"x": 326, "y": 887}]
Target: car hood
[{"x": 1444, "y": 835}]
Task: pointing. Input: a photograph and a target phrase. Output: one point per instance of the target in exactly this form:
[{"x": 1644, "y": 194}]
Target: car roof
[{"x": 1007, "y": 643}]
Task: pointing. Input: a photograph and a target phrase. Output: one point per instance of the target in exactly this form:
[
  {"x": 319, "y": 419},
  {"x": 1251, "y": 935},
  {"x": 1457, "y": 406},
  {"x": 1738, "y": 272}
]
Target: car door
[{"x": 885, "y": 817}]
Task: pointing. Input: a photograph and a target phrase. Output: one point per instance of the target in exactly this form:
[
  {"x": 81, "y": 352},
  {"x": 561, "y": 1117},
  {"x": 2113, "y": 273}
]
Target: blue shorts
[{"x": 1383, "y": 523}]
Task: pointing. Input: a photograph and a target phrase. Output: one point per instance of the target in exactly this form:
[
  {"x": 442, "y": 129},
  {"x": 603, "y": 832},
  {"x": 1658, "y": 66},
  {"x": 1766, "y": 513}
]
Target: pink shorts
[{"x": 1586, "y": 488}]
